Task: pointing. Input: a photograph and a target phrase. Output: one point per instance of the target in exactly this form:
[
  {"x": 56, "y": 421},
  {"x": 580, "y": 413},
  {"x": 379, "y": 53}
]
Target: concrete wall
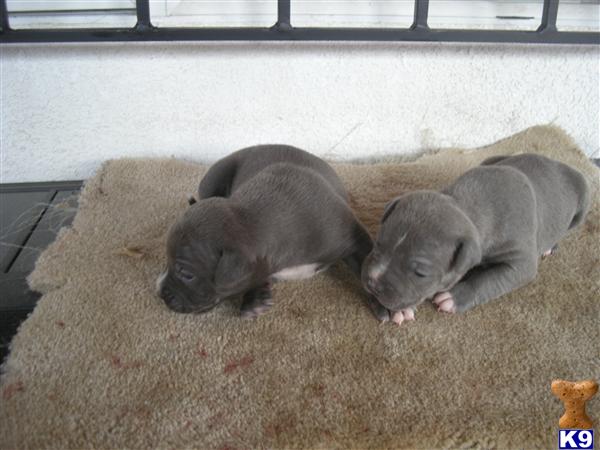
[{"x": 67, "y": 108}]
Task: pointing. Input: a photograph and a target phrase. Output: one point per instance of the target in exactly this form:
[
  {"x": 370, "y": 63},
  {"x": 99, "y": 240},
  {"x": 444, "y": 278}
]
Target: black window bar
[{"x": 283, "y": 30}]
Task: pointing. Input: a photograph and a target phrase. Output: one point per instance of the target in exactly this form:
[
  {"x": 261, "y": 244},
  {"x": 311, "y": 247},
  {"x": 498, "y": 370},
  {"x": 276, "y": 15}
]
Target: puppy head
[
  {"x": 425, "y": 245},
  {"x": 207, "y": 259}
]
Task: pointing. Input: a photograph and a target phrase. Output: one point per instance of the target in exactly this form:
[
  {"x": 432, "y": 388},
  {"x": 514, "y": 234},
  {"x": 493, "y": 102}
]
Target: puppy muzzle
[{"x": 181, "y": 305}]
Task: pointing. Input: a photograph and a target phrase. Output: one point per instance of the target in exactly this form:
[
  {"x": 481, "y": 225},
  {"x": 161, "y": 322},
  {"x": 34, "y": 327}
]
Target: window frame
[{"x": 283, "y": 30}]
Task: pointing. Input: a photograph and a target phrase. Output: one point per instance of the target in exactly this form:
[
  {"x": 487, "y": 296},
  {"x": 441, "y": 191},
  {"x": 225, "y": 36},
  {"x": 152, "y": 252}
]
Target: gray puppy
[
  {"x": 476, "y": 240},
  {"x": 265, "y": 213}
]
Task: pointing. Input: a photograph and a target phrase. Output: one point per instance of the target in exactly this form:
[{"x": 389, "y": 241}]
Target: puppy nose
[
  {"x": 166, "y": 294},
  {"x": 172, "y": 302}
]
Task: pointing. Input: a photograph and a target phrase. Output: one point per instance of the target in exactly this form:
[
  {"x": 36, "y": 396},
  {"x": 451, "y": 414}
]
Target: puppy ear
[
  {"x": 389, "y": 208},
  {"x": 467, "y": 254},
  {"x": 233, "y": 269}
]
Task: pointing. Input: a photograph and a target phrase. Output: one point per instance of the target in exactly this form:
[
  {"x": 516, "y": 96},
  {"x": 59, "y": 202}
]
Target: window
[
  {"x": 583, "y": 15},
  {"x": 25, "y": 14},
  {"x": 499, "y": 15},
  {"x": 359, "y": 13},
  {"x": 486, "y": 14},
  {"x": 578, "y": 21},
  {"x": 220, "y": 13},
  {"x": 575, "y": 15}
]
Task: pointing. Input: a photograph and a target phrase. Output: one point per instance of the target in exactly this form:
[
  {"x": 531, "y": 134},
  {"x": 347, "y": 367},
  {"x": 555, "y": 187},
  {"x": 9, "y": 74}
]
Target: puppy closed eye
[
  {"x": 421, "y": 274},
  {"x": 421, "y": 269},
  {"x": 184, "y": 274}
]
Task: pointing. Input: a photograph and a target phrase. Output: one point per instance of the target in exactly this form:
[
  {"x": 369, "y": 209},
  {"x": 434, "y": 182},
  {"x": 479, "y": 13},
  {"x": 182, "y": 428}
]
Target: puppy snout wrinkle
[{"x": 373, "y": 286}]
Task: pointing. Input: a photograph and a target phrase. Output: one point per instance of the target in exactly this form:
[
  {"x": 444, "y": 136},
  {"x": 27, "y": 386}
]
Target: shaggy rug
[{"x": 102, "y": 363}]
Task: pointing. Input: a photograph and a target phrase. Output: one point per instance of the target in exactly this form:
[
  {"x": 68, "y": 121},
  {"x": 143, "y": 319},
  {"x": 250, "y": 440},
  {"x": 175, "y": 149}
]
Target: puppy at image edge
[{"x": 476, "y": 240}]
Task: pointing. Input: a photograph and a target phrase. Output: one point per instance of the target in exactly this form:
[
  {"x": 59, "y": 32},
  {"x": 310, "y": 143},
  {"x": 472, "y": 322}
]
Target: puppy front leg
[
  {"x": 482, "y": 284},
  {"x": 257, "y": 301}
]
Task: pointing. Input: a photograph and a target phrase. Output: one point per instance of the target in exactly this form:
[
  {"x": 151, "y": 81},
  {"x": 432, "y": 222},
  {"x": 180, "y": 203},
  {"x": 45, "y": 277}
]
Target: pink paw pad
[
  {"x": 444, "y": 302},
  {"x": 403, "y": 315},
  {"x": 550, "y": 252}
]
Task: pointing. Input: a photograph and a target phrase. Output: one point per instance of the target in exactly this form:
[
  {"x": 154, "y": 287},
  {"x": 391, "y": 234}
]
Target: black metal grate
[
  {"x": 30, "y": 216},
  {"x": 283, "y": 30}
]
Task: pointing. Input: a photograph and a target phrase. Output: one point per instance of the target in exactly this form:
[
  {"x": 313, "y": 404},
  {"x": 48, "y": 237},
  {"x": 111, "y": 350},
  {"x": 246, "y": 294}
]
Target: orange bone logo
[{"x": 574, "y": 395}]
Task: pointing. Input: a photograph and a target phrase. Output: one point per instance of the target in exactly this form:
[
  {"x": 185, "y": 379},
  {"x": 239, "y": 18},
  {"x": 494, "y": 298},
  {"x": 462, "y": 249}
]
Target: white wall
[{"x": 67, "y": 108}]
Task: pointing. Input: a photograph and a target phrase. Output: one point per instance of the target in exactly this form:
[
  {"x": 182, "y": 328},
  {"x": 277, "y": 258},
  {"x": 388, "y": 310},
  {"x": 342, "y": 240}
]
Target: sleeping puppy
[
  {"x": 476, "y": 240},
  {"x": 265, "y": 214}
]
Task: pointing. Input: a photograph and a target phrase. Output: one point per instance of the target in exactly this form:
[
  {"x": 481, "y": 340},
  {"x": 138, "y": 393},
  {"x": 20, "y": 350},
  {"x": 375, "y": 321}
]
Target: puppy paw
[
  {"x": 445, "y": 302},
  {"x": 380, "y": 312},
  {"x": 256, "y": 311},
  {"x": 256, "y": 303},
  {"x": 403, "y": 315},
  {"x": 550, "y": 252}
]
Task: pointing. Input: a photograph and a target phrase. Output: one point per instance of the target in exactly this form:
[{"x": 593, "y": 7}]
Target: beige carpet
[{"x": 101, "y": 363}]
